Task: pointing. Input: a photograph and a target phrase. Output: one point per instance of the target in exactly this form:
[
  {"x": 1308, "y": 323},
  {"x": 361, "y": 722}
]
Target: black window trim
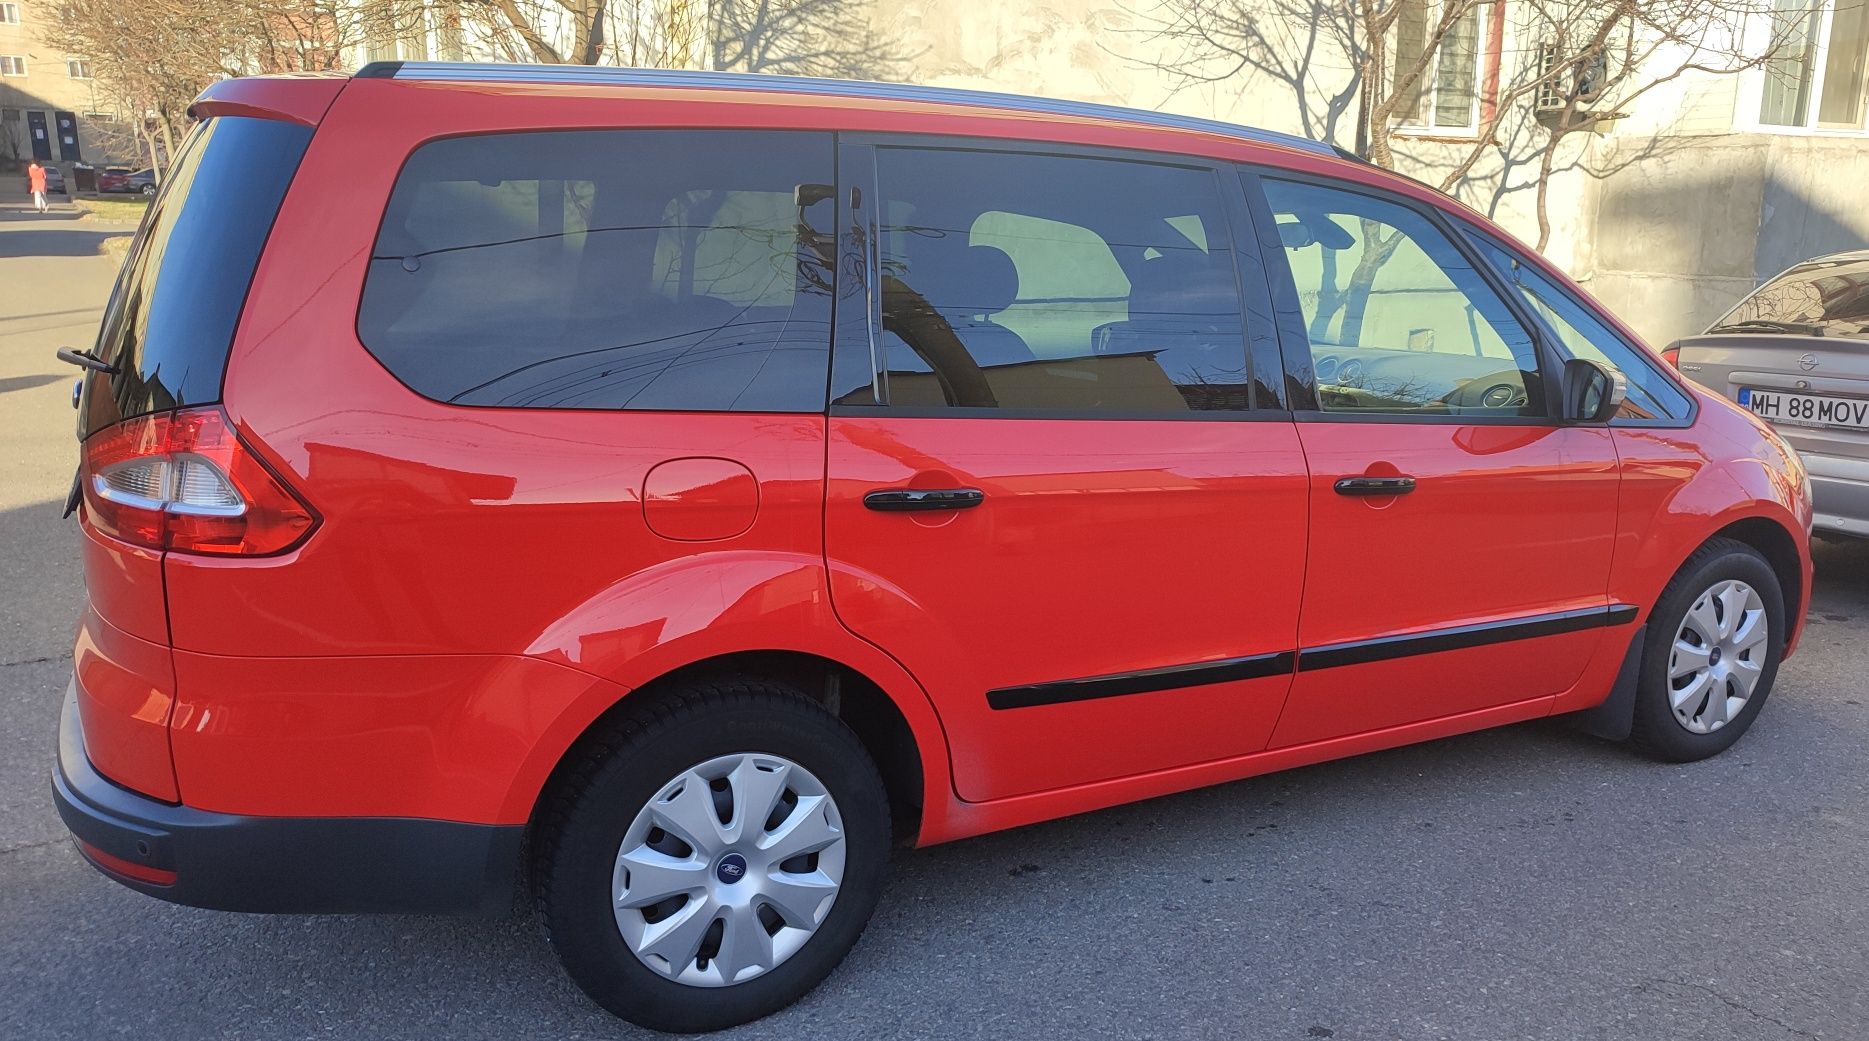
[
  {"x": 103, "y": 383},
  {"x": 1642, "y": 353},
  {"x": 1296, "y": 341},
  {"x": 356, "y": 327},
  {"x": 852, "y": 341}
]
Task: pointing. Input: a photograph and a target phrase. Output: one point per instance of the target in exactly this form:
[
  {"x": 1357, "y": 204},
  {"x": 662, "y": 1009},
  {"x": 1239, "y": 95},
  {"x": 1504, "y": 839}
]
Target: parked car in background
[
  {"x": 669, "y": 490},
  {"x": 1796, "y": 352},
  {"x": 120, "y": 179}
]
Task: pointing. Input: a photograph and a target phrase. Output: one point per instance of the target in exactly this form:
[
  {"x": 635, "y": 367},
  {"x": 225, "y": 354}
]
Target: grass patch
[
  {"x": 116, "y": 247},
  {"x": 122, "y": 209}
]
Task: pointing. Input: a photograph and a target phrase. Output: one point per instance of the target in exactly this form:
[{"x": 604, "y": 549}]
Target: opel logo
[{"x": 1807, "y": 361}]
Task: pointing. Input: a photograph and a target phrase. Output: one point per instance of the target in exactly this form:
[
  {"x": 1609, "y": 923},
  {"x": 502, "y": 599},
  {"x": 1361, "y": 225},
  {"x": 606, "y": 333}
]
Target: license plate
[{"x": 1818, "y": 410}]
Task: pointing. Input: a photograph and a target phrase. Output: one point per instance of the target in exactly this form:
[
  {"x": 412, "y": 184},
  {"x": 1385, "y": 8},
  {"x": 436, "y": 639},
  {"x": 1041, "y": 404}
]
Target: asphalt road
[{"x": 1522, "y": 883}]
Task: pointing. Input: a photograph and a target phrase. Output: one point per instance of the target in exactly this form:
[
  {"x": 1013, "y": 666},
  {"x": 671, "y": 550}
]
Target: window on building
[
  {"x": 78, "y": 69},
  {"x": 1445, "y": 96},
  {"x": 9, "y": 14},
  {"x": 1818, "y": 74},
  {"x": 12, "y": 65}
]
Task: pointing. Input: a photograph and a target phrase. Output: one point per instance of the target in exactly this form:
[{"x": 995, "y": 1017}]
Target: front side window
[
  {"x": 629, "y": 269},
  {"x": 78, "y": 69},
  {"x": 1818, "y": 298},
  {"x": 9, "y": 14},
  {"x": 12, "y": 65},
  {"x": 1582, "y": 334},
  {"x": 1398, "y": 320},
  {"x": 1018, "y": 281}
]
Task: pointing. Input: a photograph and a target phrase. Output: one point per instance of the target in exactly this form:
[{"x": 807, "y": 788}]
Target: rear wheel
[
  {"x": 713, "y": 857},
  {"x": 1714, "y": 642}
]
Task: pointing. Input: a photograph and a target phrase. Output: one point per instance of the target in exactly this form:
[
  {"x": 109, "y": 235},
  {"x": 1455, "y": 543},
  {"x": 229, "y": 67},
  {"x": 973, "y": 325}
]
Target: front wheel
[
  {"x": 1714, "y": 642},
  {"x": 713, "y": 857}
]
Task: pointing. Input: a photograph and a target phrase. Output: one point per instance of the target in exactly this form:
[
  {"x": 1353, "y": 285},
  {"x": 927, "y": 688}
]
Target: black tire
[
  {"x": 625, "y": 764},
  {"x": 1654, "y": 732}
]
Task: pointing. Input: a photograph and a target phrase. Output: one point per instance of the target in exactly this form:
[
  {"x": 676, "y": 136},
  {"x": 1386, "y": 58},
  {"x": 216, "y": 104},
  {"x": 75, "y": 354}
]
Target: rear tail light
[
  {"x": 1672, "y": 356},
  {"x": 184, "y": 481}
]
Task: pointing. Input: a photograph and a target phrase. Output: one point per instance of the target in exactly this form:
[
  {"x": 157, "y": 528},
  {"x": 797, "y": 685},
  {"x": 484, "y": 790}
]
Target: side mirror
[{"x": 1592, "y": 393}]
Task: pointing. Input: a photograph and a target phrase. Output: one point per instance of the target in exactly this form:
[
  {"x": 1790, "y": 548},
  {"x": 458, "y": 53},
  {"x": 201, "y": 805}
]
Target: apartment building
[{"x": 50, "y": 107}]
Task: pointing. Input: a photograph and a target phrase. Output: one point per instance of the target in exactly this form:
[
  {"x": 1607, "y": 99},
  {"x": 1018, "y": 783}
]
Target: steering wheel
[{"x": 1502, "y": 389}]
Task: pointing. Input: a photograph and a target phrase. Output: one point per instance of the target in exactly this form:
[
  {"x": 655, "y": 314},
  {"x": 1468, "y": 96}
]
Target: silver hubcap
[
  {"x": 1717, "y": 657},
  {"x": 729, "y": 870}
]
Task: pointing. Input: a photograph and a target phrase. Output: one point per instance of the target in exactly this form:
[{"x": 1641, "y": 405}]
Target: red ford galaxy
[{"x": 661, "y": 493}]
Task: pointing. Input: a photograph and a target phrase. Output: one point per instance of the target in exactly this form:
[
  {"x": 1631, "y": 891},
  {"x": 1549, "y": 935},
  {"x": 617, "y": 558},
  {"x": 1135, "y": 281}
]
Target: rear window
[
  {"x": 171, "y": 318},
  {"x": 1818, "y": 298},
  {"x": 630, "y": 269}
]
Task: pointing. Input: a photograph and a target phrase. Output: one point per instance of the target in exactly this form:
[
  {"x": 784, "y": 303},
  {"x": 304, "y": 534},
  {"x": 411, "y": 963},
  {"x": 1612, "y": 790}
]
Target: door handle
[
  {"x": 901, "y": 500},
  {"x": 1375, "y": 485}
]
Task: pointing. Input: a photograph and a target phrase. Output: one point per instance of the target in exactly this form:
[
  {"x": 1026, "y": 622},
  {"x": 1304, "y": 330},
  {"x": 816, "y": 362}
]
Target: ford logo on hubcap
[{"x": 731, "y": 869}]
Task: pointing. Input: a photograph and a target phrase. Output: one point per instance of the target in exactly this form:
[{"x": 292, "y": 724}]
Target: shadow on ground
[{"x": 58, "y": 242}]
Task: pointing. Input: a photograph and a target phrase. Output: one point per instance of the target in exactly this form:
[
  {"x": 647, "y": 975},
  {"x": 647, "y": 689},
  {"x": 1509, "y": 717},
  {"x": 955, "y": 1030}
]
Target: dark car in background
[
  {"x": 1796, "y": 352},
  {"x": 126, "y": 181}
]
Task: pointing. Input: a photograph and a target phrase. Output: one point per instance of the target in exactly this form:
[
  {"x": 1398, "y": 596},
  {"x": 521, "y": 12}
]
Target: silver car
[{"x": 1796, "y": 352}]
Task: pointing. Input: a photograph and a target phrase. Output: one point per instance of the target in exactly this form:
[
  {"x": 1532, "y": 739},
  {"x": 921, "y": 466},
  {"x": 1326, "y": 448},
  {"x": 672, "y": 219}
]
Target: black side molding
[
  {"x": 1462, "y": 637},
  {"x": 1172, "y": 677},
  {"x": 1258, "y": 666}
]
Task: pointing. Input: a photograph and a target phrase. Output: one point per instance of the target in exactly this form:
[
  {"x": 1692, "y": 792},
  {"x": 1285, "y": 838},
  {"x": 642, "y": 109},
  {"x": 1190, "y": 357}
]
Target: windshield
[{"x": 1818, "y": 298}]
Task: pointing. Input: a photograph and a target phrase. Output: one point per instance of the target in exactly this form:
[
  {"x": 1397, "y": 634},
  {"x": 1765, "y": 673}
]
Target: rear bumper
[
  {"x": 1839, "y": 493},
  {"x": 299, "y": 865}
]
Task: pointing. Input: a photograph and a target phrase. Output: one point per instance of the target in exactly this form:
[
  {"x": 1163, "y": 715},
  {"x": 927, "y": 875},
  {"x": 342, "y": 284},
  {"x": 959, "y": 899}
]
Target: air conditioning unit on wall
[{"x": 1582, "y": 82}]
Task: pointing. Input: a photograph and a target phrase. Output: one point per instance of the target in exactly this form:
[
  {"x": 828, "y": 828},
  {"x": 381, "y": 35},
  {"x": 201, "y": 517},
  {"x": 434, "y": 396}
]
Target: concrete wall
[{"x": 1690, "y": 225}]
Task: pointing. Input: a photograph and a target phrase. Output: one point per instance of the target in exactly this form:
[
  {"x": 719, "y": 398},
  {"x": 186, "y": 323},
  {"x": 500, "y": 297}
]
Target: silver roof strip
[{"x": 471, "y": 72}]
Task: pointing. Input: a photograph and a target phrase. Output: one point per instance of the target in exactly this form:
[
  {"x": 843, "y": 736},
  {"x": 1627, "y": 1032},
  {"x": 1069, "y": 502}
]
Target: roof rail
[{"x": 474, "y": 72}]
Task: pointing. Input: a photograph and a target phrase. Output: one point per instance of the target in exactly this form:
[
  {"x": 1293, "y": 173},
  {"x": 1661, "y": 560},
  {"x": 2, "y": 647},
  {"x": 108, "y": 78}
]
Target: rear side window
[
  {"x": 171, "y": 318},
  {"x": 627, "y": 269},
  {"x": 1056, "y": 283},
  {"x": 1818, "y": 298}
]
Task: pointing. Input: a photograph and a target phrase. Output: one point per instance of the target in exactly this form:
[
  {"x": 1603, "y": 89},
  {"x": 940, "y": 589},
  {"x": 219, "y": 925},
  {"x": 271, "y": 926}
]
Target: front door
[
  {"x": 41, "y": 135},
  {"x": 1460, "y": 532},
  {"x": 1050, "y": 496}
]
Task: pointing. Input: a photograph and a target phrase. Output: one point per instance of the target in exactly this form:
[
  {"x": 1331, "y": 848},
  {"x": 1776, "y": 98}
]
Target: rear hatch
[{"x": 160, "y": 469}]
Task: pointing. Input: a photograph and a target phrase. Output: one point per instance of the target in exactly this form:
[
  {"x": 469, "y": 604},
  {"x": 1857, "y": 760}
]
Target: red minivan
[{"x": 660, "y": 493}]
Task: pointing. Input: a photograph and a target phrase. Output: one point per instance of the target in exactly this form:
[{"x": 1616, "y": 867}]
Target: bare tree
[
  {"x": 800, "y": 37},
  {"x": 152, "y": 58},
  {"x": 1349, "y": 72},
  {"x": 810, "y": 37}
]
